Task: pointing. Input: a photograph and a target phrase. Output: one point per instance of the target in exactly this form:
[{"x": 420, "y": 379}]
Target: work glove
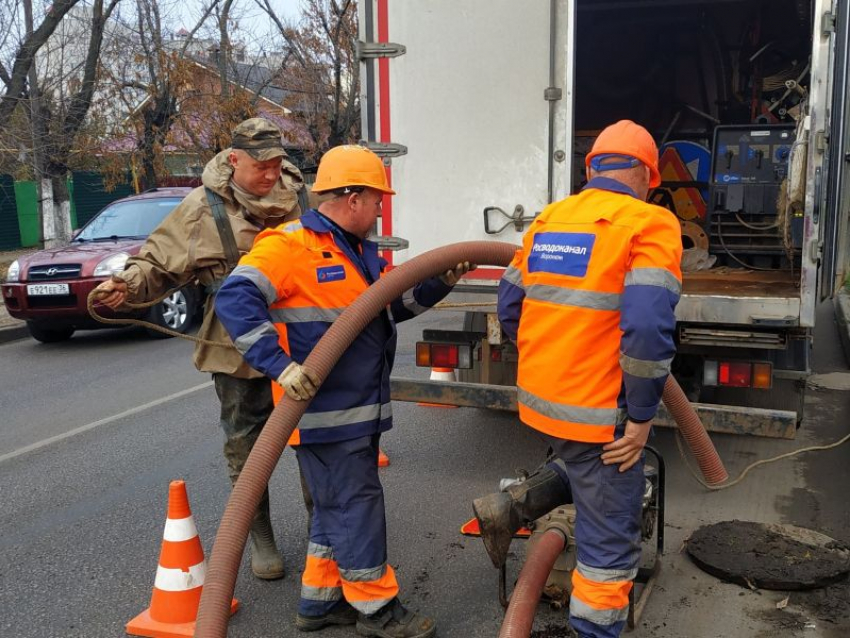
[
  {"x": 451, "y": 277},
  {"x": 299, "y": 382}
]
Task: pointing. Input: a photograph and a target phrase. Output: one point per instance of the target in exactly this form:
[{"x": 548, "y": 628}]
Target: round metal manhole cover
[{"x": 767, "y": 556}]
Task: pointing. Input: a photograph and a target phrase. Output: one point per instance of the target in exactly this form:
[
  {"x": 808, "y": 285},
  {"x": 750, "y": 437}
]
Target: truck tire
[
  {"x": 176, "y": 312},
  {"x": 49, "y": 335}
]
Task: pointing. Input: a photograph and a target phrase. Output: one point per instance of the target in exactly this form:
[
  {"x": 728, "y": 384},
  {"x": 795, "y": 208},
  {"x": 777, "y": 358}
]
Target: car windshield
[{"x": 127, "y": 220}]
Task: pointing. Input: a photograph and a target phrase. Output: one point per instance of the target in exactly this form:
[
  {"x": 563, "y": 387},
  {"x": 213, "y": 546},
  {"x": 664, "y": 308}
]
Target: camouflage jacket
[{"x": 187, "y": 245}]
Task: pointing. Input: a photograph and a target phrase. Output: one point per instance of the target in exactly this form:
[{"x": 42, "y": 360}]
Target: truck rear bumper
[{"x": 716, "y": 418}]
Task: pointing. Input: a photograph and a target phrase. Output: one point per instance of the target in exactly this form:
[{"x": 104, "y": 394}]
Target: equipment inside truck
[{"x": 722, "y": 86}]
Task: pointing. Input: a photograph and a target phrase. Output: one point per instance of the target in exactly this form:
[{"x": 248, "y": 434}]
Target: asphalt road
[{"x": 94, "y": 429}]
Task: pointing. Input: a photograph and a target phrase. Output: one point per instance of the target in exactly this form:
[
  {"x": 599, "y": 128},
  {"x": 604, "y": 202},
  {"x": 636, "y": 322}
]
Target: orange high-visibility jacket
[
  {"x": 589, "y": 300},
  {"x": 285, "y": 295}
]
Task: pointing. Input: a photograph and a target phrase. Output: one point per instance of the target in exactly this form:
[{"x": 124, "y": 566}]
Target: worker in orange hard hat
[
  {"x": 276, "y": 305},
  {"x": 629, "y": 142},
  {"x": 589, "y": 300},
  {"x": 349, "y": 165}
]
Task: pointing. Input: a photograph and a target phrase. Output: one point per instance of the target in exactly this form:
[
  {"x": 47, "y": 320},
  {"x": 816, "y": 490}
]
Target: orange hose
[
  {"x": 223, "y": 566},
  {"x": 693, "y": 431},
  {"x": 214, "y": 610},
  {"x": 526, "y": 595}
]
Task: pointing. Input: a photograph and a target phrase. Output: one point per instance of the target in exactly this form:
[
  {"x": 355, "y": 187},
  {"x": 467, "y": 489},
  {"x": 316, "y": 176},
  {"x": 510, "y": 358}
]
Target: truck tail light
[
  {"x": 762, "y": 376},
  {"x": 738, "y": 374},
  {"x": 443, "y": 355}
]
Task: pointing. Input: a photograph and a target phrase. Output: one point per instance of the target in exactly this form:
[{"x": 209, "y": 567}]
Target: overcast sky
[{"x": 254, "y": 26}]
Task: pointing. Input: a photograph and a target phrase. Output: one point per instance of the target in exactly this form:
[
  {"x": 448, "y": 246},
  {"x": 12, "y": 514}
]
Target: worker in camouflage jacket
[{"x": 254, "y": 187}]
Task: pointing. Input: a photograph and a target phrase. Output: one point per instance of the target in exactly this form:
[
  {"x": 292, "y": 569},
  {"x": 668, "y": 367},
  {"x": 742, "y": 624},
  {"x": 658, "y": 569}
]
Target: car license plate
[{"x": 41, "y": 290}]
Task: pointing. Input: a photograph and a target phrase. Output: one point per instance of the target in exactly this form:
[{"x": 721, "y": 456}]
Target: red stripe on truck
[{"x": 384, "y": 119}]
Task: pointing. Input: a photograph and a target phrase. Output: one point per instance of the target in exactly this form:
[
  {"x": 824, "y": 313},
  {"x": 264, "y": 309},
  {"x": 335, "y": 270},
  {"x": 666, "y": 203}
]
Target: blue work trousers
[
  {"x": 607, "y": 533},
  {"x": 347, "y": 554}
]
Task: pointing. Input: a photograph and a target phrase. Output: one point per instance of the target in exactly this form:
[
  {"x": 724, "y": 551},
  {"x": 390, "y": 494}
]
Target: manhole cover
[{"x": 769, "y": 556}]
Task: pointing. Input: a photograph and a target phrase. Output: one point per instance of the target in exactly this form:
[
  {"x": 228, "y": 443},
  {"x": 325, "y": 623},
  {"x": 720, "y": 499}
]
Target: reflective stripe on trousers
[{"x": 347, "y": 555}]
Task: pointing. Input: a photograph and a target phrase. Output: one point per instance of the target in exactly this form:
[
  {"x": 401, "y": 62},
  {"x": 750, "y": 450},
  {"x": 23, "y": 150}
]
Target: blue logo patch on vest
[
  {"x": 330, "y": 273},
  {"x": 561, "y": 253}
]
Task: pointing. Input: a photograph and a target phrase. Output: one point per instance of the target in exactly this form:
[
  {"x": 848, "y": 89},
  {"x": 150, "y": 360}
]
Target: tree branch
[
  {"x": 26, "y": 54},
  {"x": 224, "y": 48},
  {"x": 284, "y": 32},
  {"x": 195, "y": 29},
  {"x": 81, "y": 102}
]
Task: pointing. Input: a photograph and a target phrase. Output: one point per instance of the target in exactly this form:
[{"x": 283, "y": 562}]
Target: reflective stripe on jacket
[
  {"x": 590, "y": 300},
  {"x": 285, "y": 294}
]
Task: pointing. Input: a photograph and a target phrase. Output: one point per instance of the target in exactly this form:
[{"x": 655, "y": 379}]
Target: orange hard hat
[
  {"x": 625, "y": 138},
  {"x": 351, "y": 165}
]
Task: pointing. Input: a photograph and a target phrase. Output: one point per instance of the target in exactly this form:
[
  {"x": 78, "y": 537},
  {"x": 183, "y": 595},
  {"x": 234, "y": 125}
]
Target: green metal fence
[
  {"x": 26, "y": 197},
  {"x": 10, "y": 234},
  {"x": 90, "y": 197},
  {"x": 20, "y": 225}
]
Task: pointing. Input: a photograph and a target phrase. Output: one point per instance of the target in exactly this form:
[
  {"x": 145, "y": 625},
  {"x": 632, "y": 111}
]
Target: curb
[
  {"x": 842, "y": 318},
  {"x": 13, "y": 333}
]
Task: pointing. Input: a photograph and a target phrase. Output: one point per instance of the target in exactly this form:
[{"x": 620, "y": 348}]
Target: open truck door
[{"x": 835, "y": 200}]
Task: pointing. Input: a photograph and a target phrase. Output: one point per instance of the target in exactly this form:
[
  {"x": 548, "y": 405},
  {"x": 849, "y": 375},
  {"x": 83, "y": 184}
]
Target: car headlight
[
  {"x": 112, "y": 265},
  {"x": 14, "y": 272}
]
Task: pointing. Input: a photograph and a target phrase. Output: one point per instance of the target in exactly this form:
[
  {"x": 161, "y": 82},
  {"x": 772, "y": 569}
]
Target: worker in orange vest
[
  {"x": 589, "y": 300},
  {"x": 276, "y": 305}
]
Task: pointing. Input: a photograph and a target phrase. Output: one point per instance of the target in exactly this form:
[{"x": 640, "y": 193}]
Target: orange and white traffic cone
[
  {"x": 383, "y": 459},
  {"x": 179, "y": 575},
  {"x": 440, "y": 374}
]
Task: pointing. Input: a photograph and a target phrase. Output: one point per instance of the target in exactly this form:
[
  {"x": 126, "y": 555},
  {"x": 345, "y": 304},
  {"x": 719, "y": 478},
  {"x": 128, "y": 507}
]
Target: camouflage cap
[{"x": 259, "y": 138}]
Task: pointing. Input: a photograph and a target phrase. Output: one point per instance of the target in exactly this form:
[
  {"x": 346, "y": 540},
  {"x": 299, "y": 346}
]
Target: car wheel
[
  {"x": 48, "y": 335},
  {"x": 175, "y": 312}
]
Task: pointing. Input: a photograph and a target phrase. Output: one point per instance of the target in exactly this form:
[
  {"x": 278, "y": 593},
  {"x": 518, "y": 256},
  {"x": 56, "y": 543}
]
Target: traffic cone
[
  {"x": 179, "y": 575},
  {"x": 440, "y": 374},
  {"x": 383, "y": 459}
]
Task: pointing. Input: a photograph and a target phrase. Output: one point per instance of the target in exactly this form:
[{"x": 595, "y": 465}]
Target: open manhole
[{"x": 769, "y": 556}]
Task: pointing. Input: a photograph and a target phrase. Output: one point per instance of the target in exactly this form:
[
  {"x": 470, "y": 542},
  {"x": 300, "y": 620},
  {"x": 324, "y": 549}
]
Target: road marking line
[{"x": 95, "y": 424}]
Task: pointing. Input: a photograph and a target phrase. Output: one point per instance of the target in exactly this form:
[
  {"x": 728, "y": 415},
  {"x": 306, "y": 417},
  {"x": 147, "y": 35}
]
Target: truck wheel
[
  {"x": 48, "y": 335},
  {"x": 175, "y": 312}
]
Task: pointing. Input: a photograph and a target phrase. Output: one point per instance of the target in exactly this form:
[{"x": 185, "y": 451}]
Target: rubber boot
[
  {"x": 266, "y": 561},
  {"x": 501, "y": 514}
]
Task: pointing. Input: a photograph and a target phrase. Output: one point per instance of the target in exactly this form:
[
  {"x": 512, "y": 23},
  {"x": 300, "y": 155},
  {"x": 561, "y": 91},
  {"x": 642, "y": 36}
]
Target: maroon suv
[{"x": 49, "y": 288}]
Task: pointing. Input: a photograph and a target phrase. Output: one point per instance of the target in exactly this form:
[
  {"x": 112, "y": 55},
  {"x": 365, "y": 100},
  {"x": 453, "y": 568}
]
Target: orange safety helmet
[
  {"x": 351, "y": 165},
  {"x": 625, "y": 138}
]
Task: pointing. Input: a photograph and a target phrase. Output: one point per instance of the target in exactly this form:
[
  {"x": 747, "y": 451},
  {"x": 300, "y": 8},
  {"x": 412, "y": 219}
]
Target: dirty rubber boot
[
  {"x": 266, "y": 561},
  {"x": 501, "y": 514},
  {"x": 341, "y": 614},
  {"x": 394, "y": 621}
]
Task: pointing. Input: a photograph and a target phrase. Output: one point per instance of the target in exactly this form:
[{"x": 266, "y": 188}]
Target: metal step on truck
[{"x": 483, "y": 111}]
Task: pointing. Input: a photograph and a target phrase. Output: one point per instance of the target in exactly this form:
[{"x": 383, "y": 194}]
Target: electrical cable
[
  {"x": 756, "y": 226},
  {"x": 95, "y": 295},
  {"x": 728, "y": 252},
  {"x": 813, "y": 448}
]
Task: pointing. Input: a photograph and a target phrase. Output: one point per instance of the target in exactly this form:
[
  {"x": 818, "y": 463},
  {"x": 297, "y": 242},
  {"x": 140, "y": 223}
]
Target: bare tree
[
  {"x": 15, "y": 79},
  {"x": 167, "y": 73},
  {"x": 57, "y": 124},
  {"x": 321, "y": 71},
  {"x": 44, "y": 119},
  {"x": 185, "y": 95}
]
